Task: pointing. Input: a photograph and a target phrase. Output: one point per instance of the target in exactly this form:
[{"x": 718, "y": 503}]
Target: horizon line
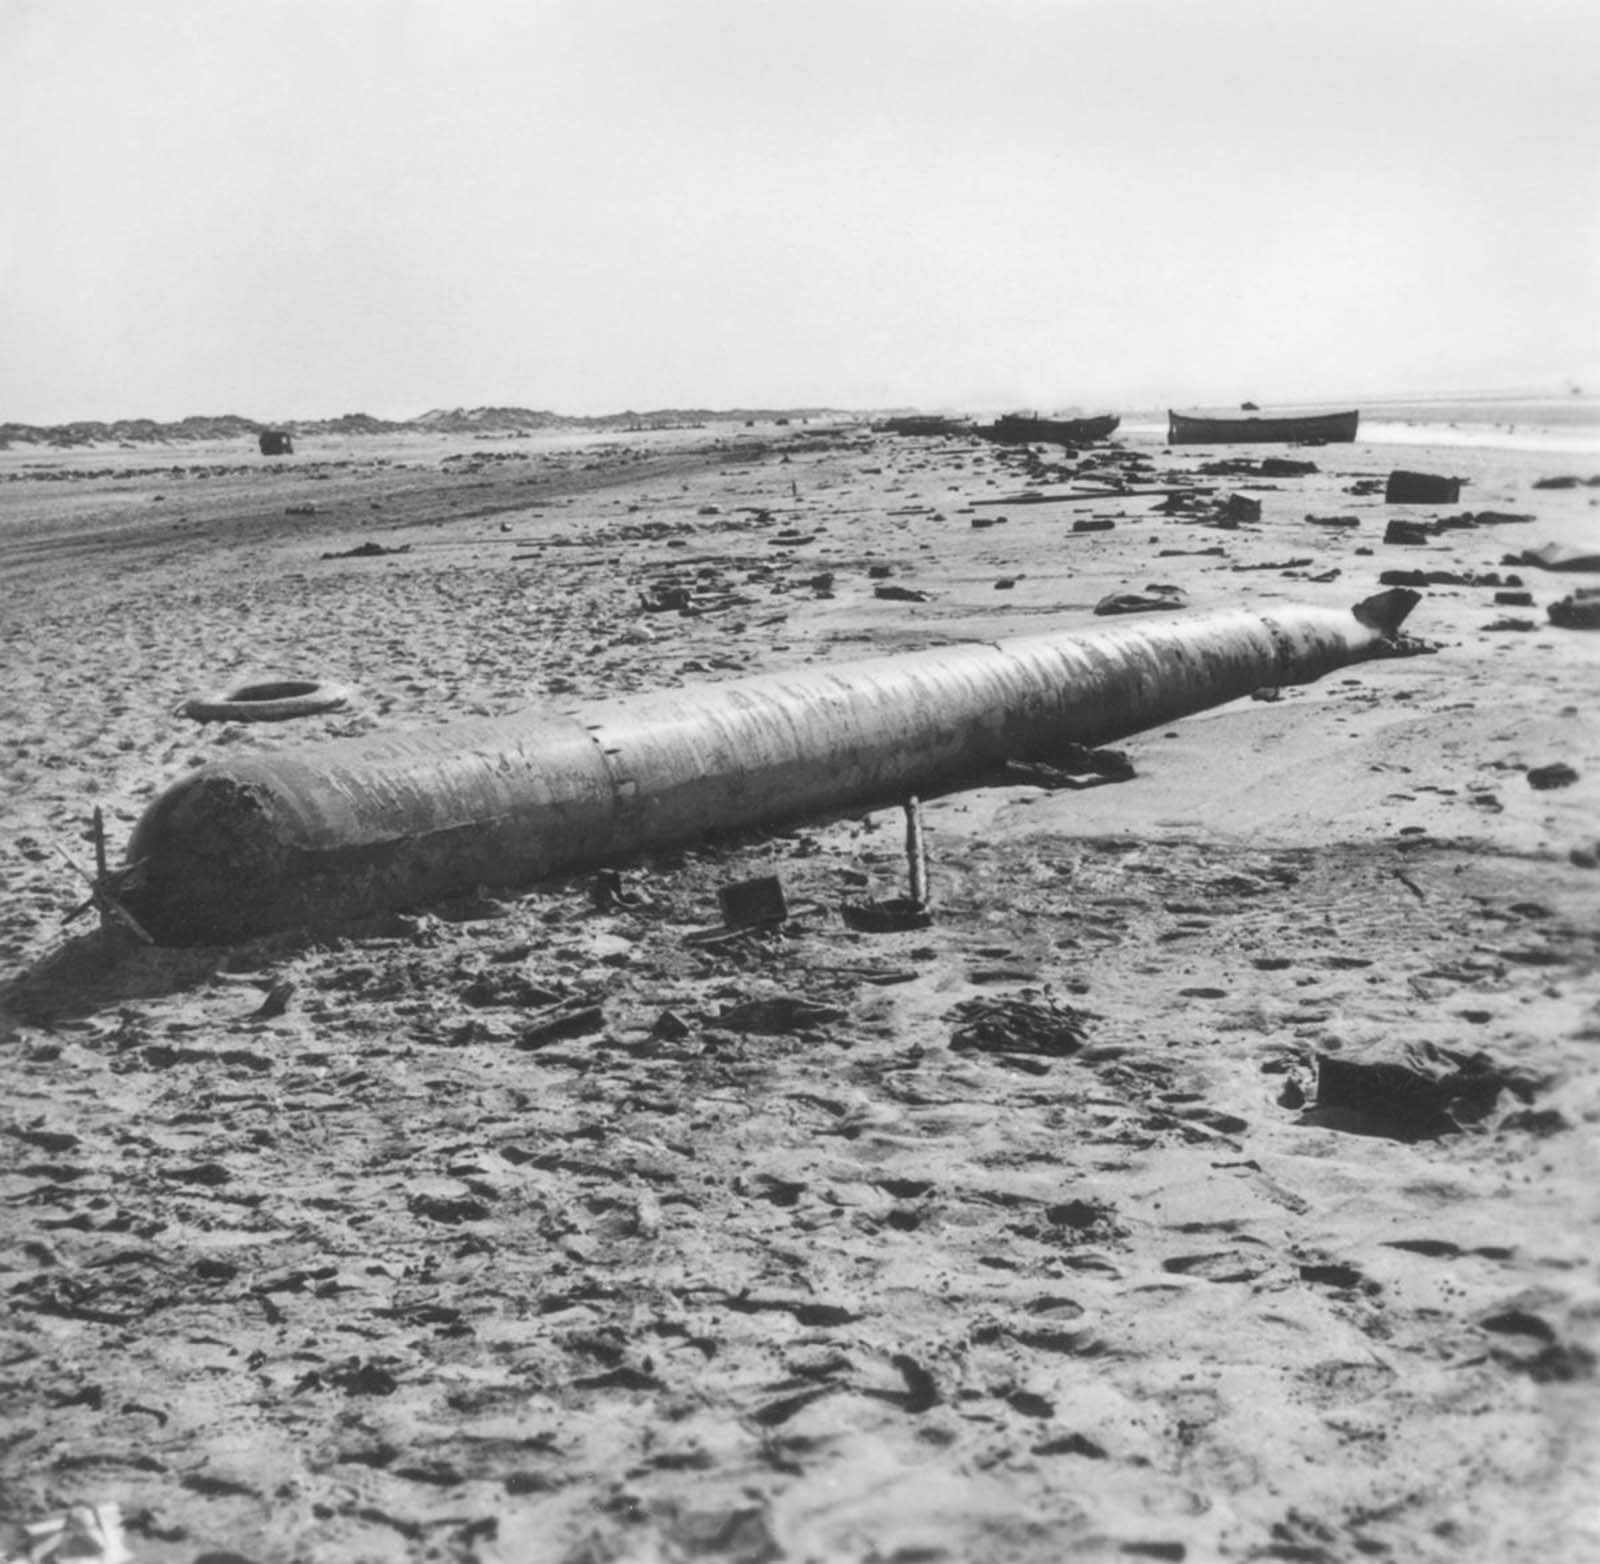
[{"x": 1570, "y": 391}]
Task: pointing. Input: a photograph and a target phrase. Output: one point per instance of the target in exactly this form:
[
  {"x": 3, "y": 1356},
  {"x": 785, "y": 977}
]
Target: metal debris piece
[
  {"x": 894, "y": 915},
  {"x": 107, "y": 888},
  {"x": 751, "y": 904},
  {"x": 564, "y": 1023},
  {"x": 86, "y": 1532},
  {"x": 1421, "y": 488},
  {"x": 777, "y": 1016},
  {"x": 1577, "y": 611},
  {"x": 1071, "y": 762},
  {"x": 1009, "y": 1025},
  {"x": 1146, "y": 602},
  {"x": 1558, "y": 774}
]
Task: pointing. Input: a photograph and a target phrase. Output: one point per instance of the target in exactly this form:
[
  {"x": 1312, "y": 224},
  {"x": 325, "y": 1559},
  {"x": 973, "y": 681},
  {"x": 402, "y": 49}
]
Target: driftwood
[{"x": 1095, "y": 494}]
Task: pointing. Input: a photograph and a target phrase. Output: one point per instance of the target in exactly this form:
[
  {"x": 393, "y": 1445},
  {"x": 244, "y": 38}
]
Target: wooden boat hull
[
  {"x": 1016, "y": 430},
  {"x": 1329, "y": 428}
]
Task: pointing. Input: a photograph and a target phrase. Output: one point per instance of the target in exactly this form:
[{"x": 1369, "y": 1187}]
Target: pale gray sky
[{"x": 306, "y": 207}]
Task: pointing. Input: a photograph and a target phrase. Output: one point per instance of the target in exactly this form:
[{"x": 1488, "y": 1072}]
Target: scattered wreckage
[{"x": 1024, "y": 429}]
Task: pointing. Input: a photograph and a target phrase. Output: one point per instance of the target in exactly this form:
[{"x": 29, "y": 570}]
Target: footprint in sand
[
  {"x": 1049, "y": 1307},
  {"x": 1433, "y": 1248},
  {"x": 1218, "y": 1267},
  {"x": 1342, "y": 1277},
  {"x": 1336, "y": 1383},
  {"x": 1529, "y": 1345}
]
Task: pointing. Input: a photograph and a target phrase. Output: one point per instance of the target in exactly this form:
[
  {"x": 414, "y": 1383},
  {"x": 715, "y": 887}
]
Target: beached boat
[
  {"x": 1020, "y": 429},
  {"x": 1182, "y": 429}
]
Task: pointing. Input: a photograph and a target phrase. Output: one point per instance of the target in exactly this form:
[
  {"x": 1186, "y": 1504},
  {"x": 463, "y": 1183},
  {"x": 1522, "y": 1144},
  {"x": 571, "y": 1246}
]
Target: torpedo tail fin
[{"x": 1386, "y": 611}]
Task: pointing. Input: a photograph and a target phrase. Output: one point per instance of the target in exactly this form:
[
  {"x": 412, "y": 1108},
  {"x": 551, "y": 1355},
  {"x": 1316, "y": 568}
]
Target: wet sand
[{"x": 329, "y": 1248}]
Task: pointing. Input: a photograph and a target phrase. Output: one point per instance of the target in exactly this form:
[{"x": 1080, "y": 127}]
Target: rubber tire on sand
[{"x": 269, "y": 700}]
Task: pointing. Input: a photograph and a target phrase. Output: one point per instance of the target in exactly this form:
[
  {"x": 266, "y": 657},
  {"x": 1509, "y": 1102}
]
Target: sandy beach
[{"x": 326, "y": 1248}]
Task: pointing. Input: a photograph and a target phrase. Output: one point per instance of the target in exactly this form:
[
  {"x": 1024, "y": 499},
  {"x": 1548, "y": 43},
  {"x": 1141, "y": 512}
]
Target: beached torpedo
[{"x": 318, "y": 834}]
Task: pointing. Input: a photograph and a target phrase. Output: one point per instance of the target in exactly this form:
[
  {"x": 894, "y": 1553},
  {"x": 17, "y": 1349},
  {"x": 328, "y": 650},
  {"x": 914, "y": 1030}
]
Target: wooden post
[
  {"x": 916, "y": 852},
  {"x": 97, "y": 835}
]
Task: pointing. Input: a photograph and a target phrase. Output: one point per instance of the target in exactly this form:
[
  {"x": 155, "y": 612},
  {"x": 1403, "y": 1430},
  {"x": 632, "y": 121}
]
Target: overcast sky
[{"x": 300, "y": 209}]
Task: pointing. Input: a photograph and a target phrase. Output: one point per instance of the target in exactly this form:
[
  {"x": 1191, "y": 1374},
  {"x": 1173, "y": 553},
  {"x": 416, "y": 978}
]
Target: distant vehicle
[
  {"x": 1022, "y": 429},
  {"x": 1182, "y": 429},
  {"x": 276, "y": 442}
]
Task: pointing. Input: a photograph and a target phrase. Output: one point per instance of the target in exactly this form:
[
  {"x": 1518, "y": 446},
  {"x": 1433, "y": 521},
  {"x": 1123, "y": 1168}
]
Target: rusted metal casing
[{"x": 322, "y": 833}]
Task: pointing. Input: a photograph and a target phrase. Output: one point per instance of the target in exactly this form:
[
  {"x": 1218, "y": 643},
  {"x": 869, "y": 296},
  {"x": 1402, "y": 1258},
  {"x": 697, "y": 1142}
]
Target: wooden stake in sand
[{"x": 916, "y": 852}]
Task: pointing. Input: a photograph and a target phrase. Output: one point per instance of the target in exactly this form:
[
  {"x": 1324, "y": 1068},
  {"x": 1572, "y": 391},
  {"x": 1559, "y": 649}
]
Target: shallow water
[{"x": 1569, "y": 440}]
